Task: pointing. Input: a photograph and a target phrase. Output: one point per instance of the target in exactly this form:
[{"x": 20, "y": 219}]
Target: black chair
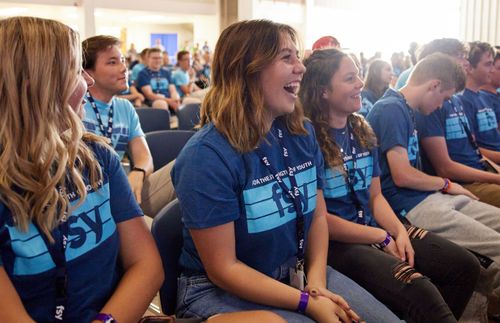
[
  {"x": 167, "y": 232},
  {"x": 165, "y": 145},
  {"x": 153, "y": 119},
  {"x": 188, "y": 116}
]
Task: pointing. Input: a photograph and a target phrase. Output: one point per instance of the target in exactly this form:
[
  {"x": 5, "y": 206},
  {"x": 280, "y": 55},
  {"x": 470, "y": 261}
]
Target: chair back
[
  {"x": 167, "y": 231},
  {"x": 188, "y": 116},
  {"x": 153, "y": 119},
  {"x": 166, "y": 145}
]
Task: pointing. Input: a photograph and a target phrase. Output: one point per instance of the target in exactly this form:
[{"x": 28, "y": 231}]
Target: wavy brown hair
[
  {"x": 42, "y": 144},
  {"x": 321, "y": 67},
  {"x": 234, "y": 102}
]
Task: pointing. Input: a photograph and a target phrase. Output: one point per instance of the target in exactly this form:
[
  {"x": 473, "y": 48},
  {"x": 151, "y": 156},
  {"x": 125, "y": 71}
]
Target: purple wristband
[
  {"x": 386, "y": 241},
  {"x": 304, "y": 299}
]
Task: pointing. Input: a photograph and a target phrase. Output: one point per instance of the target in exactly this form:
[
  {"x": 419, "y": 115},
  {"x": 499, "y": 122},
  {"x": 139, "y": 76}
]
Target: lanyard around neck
[
  {"x": 465, "y": 126},
  {"x": 293, "y": 193},
  {"x": 360, "y": 212},
  {"x": 57, "y": 251},
  {"x": 105, "y": 132},
  {"x": 415, "y": 131}
]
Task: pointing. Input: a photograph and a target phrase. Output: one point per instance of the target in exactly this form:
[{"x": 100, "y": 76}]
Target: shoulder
[
  {"x": 123, "y": 104},
  {"x": 205, "y": 142},
  {"x": 390, "y": 106}
]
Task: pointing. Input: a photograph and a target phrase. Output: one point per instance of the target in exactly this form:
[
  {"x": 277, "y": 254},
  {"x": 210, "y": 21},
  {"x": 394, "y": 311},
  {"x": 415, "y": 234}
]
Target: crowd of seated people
[{"x": 297, "y": 205}]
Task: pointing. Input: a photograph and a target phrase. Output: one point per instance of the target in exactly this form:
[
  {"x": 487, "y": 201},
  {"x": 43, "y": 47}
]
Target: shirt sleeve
[
  {"x": 206, "y": 186},
  {"x": 122, "y": 201},
  {"x": 392, "y": 127},
  {"x": 143, "y": 79},
  {"x": 376, "y": 164},
  {"x": 135, "y": 125}
]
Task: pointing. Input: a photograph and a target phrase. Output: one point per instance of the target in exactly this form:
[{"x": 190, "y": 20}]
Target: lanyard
[
  {"x": 350, "y": 180},
  {"x": 293, "y": 193},
  {"x": 466, "y": 127},
  {"x": 109, "y": 131},
  {"x": 415, "y": 131},
  {"x": 57, "y": 252}
]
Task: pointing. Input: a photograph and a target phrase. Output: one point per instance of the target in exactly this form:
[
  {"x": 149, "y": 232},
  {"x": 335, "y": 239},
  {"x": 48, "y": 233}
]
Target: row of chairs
[{"x": 188, "y": 117}]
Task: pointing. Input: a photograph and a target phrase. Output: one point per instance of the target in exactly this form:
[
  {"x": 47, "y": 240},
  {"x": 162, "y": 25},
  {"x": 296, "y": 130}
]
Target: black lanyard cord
[
  {"x": 105, "y": 132},
  {"x": 293, "y": 193}
]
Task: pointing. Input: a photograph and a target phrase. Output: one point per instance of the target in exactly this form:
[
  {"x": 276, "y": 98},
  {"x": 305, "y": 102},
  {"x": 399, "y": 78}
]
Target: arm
[
  {"x": 406, "y": 176},
  {"x": 385, "y": 217},
  {"x": 216, "y": 247},
  {"x": 437, "y": 152},
  {"x": 491, "y": 154},
  {"x": 143, "y": 272},
  {"x": 11, "y": 307},
  {"x": 150, "y": 95},
  {"x": 141, "y": 158}
]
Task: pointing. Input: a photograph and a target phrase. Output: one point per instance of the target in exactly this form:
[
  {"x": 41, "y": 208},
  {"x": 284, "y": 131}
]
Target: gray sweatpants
[{"x": 471, "y": 224}]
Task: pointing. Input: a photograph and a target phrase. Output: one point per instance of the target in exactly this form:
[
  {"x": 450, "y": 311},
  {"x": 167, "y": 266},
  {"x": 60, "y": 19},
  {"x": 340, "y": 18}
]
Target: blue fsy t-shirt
[
  {"x": 215, "y": 185},
  {"x": 391, "y": 120},
  {"x": 92, "y": 263},
  {"x": 482, "y": 116},
  {"x": 493, "y": 99},
  {"x": 338, "y": 196},
  {"x": 126, "y": 125},
  {"x": 158, "y": 80},
  {"x": 448, "y": 122}
]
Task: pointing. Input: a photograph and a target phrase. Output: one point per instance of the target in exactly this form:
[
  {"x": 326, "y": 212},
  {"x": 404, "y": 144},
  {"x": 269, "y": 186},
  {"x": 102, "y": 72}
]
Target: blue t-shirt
[
  {"x": 338, "y": 196},
  {"x": 215, "y": 185},
  {"x": 368, "y": 99},
  {"x": 391, "y": 120},
  {"x": 126, "y": 125},
  {"x": 180, "y": 77},
  {"x": 403, "y": 78},
  {"x": 493, "y": 99},
  {"x": 93, "y": 269},
  {"x": 445, "y": 123},
  {"x": 135, "y": 72},
  {"x": 482, "y": 117},
  {"x": 158, "y": 80}
]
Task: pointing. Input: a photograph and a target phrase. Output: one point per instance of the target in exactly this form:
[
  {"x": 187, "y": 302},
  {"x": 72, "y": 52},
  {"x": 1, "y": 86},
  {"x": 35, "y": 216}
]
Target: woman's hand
[
  {"x": 400, "y": 247},
  {"x": 343, "y": 311}
]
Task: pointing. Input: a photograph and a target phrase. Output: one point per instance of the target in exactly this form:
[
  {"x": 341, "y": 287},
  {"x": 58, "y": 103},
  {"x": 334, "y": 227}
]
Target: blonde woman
[
  {"x": 250, "y": 188},
  {"x": 73, "y": 244}
]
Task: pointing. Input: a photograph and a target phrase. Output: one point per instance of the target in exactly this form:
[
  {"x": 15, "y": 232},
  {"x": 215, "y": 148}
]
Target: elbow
[{"x": 400, "y": 180}]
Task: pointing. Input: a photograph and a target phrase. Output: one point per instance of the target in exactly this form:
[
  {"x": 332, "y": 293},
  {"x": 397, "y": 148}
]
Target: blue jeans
[{"x": 198, "y": 297}]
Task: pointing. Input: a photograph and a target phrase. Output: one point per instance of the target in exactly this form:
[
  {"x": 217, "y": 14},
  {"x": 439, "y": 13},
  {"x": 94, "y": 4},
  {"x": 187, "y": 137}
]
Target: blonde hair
[
  {"x": 234, "y": 102},
  {"x": 42, "y": 148},
  {"x": 320, "y": 68}
]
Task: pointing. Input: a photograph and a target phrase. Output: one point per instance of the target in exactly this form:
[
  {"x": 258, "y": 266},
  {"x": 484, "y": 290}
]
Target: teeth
[{"x": 292, "y": 87}]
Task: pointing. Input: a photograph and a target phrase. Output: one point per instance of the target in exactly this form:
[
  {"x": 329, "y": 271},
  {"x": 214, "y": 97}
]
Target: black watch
[{"x": 138, "y": 169}]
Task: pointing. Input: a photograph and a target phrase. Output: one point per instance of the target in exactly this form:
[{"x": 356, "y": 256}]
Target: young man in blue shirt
[
  {"x": 431, "y": 202},
  {"x": 458, "y": 138},
  {"x": 491, "y": 91},
  {"x": 103, "y": 60},
  {"x": 156, "y": 83}
]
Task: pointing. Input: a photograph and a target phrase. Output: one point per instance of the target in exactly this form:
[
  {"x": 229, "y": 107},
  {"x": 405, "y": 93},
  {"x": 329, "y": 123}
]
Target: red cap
[{"x": 326, "y": 42}]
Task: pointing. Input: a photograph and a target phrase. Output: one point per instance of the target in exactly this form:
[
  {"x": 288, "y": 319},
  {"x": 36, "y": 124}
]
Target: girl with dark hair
[
  {"x": 378, "y": 79},
  {"x": 368, "y": 243}
]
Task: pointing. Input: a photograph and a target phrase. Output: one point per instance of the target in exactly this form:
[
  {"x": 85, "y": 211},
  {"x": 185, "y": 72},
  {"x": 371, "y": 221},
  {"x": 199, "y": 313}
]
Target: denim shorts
[{"x": 198, "y": 297}]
